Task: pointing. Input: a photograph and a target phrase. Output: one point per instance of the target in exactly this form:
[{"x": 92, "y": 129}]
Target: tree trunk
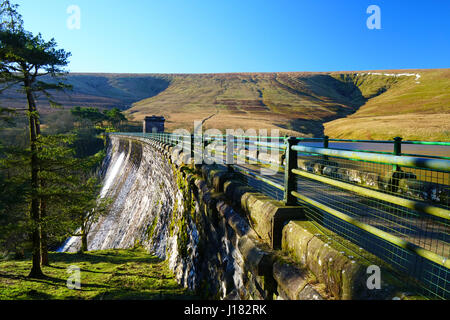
[
  {"x": 44, "y": 248},
  {"x": 84, "y": 244},
  {"x": 36, "y": 271},
  {"x": 43, "y": 205},
  {"x": 44, "y": 237}
]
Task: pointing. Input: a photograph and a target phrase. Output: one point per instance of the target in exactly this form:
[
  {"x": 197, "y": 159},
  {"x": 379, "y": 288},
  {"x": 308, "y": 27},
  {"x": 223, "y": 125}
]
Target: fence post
[
  {"x": 192, "y": 147},
  {"x": 229, "y": 160},
  {"x": 397, "y": 150},
  {"x": 325, "y": 145},
  {"x": 258, "y": 147},
  {"x": 203, "y": 148},
  {"x": 200, "y": 148},
  {"x": 289, "y": 177},
  {"x": 326, "y": 140},
  {"x": 197, "y": 145},
  {"x": 247, "y": 150}
]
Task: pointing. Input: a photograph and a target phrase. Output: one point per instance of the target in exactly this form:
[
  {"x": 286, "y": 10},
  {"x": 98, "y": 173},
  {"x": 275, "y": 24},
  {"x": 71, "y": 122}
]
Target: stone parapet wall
[{"x": 226, "y": 241}]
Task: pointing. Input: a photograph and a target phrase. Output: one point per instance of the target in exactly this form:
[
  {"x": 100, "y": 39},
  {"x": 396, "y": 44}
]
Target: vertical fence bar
[
  {"x": 289, "y": 177},
  {"x": 246, "y": 148},
  {"x": 326, "y": 141},
  {"x": 192, "y": 146},
  {"x": 202, "y": 148},
  {"x": 397, "y": 150},
  {"x": 229, "y": 160}
]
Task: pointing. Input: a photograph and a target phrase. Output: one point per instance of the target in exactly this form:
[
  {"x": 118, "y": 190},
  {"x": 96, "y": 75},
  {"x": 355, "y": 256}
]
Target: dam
[{"x": 279, "y": 219}]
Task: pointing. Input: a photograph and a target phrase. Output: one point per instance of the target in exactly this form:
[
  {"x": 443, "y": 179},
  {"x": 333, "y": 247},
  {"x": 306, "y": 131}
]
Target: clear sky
[{"x": 192, "y": 36}]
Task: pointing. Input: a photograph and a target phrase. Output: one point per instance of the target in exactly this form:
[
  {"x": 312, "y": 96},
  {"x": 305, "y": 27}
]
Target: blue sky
[{"x": 190, "y": 36}]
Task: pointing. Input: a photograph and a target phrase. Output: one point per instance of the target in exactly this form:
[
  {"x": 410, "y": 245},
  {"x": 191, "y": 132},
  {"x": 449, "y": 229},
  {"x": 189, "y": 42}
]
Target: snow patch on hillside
[{"x": 394, "y": 75}]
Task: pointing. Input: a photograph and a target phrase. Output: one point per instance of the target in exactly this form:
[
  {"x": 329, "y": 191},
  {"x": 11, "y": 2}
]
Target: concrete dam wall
[{"x": 222, "y": 239}]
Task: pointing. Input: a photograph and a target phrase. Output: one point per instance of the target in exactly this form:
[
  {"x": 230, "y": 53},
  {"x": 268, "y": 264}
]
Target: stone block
[
  {"x": 390, "y": 181},
  {"x": 423, "y": 190},
  {"x": 234, "y": 190},
  {"x": 218, "y": 178},
  {"x": 238, "y": 223},
  {"x": 258, "y": 261},
  {"x": 275, "y": 157},
  {"x": 185, "y": 158},
  {"x": 293, "y": 282},
  {"x": 290, "y": 280},
  {"x": 309, "y": 293},
  {"x": 305, "y": 165},
  {"x": 337, "y": 267},
  {"x": 268, "y": 217}
]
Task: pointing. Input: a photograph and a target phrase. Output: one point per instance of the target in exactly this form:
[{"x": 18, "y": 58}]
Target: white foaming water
[
  {"x": 68, "y": 243},
  {"x": 112, "y": 174},
  {"x": 107, "y": 185}
]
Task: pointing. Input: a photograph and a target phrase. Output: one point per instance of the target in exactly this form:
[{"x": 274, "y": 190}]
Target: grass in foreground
[{"x": 107, "y": 274}]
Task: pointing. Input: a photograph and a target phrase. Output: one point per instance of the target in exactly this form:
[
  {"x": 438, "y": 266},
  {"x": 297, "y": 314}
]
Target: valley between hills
[{"x": 413, "y": 104}]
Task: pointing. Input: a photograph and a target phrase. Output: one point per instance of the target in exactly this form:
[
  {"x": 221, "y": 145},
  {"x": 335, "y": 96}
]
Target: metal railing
[{"x": 393, "y": 204}]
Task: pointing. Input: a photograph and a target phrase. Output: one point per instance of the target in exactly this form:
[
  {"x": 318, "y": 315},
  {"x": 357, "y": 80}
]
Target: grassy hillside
[
  {"x": 365, "y": 105},
  {"x": 414, "y": 109},
  {"x": 104, "y": 275},
  {"x": 414, "y": 104},
  {"x": 291, "y": 102},
  {"x": 96, "y": 90}
]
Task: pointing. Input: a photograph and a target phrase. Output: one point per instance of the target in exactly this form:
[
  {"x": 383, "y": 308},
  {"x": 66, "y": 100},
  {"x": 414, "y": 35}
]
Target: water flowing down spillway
[
  {"x": 141, "y": 186},
  {"x": 71, "y": 242},
  {"x": 111, "y": 175}
]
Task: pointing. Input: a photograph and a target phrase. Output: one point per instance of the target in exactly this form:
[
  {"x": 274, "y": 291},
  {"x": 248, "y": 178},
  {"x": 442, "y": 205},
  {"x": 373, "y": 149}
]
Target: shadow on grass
[
  {"x": 109, "y": 275},
  {"x": 120, "y": 274},
  {"x": 122, "y": 294},
  {"x": 110, "y": 257},
  {"x": 37, "y": 295},
  {"x": 52, "y": 281}
]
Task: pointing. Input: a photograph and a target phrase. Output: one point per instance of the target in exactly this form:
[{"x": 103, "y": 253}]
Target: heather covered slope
[
  {"x": 290, "y": 102},
  {"x": 414, "y": 104},
  {"x": 306, "y": 103},
  {"x": 414, "y": 109},
  {"x": 96, "y": 90}
]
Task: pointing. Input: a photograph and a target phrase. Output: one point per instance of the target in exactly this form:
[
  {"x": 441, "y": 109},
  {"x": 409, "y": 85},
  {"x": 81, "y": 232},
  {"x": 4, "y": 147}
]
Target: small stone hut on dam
[{"x": 153, "y": 124}]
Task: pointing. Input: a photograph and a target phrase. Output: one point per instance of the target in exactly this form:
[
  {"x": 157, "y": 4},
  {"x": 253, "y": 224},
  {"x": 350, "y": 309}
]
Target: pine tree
[
  {"x": 24, "y": 60},
  {"x": 71, "y": 189}
]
